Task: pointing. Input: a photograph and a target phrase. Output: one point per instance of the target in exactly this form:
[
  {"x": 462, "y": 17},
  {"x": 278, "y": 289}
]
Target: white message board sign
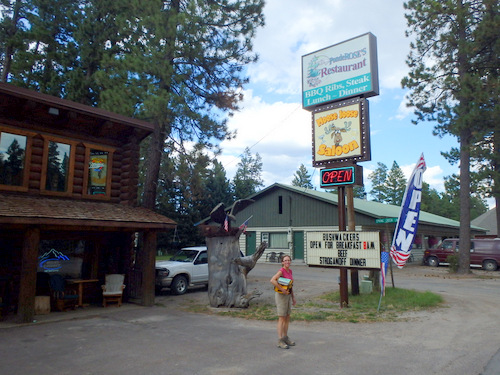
[{"x": 343, "y": 249}]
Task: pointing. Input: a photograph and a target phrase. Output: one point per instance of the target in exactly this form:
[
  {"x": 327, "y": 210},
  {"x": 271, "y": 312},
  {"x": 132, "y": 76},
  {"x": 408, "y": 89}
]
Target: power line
[{"x": 266, "y": 135}]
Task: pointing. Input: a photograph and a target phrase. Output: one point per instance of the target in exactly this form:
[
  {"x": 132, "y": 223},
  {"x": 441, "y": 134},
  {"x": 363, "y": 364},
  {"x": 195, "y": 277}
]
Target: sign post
[{"x": 335, "y": 84}]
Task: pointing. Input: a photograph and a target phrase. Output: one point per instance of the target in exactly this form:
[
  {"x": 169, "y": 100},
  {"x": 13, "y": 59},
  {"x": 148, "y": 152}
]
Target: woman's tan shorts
[{"x": 283, "y": 303}]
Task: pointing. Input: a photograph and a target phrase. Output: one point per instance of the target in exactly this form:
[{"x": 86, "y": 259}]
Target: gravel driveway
[{"x": 458, "y": 339}]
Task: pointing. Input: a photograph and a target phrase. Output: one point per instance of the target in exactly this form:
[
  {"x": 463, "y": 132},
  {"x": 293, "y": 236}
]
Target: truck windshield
[{"x": 184, "y": 256}]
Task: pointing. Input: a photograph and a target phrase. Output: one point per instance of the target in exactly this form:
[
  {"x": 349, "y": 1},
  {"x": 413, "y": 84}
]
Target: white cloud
[
  {"x": 433, "y": 175},
  {"x": 279, "y": 132},
  {"x": 272, "y": 121},
  {"x": 295, "y": 28},
  {"x": 403, "y": 110}
]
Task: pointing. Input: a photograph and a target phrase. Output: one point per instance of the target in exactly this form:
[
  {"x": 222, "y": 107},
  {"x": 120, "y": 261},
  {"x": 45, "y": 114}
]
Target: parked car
[
  {"x": 188, "y": 267},
  {"x": 484, "y": 253}
]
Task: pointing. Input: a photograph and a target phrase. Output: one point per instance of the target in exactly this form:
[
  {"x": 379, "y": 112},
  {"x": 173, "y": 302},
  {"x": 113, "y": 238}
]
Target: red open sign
[{"x": 341, "y": 176}]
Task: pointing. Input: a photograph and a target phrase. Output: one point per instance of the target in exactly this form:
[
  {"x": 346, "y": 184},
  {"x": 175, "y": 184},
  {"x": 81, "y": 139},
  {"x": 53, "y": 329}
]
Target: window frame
[
  {"x": 27, "y": 157},
  {"x": 71, "y": 168},
  {"x": 273, "y": 234},
  {"x": 110, "y": 151}
]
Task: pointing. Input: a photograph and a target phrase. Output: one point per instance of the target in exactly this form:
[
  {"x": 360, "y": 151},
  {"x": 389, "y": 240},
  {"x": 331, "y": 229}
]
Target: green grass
[
  {"x": 163, "y": 257},
  {"x": 362, "y": 308}
]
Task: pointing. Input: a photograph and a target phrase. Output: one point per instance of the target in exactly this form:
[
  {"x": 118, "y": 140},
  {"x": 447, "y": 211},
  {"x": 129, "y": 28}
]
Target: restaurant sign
[
  {"x": 341, "y": 71},
  {"x": 343, "y": 249}
]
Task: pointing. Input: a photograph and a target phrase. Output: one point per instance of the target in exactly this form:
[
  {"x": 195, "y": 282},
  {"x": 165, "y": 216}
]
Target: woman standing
[{"x": 284, "y": 302}]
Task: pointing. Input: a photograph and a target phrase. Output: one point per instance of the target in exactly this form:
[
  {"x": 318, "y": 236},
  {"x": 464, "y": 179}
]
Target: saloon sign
[
  {"x": 341, "y": 132},
  {"x": 343, "y": 249}
]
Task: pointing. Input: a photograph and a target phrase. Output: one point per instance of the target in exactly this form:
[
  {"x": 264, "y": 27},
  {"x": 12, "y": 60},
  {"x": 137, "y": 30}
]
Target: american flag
[
  {"x": 245, "y": 224},
  {"x": 226, "y": 224},
  {"x": 399, "y": 257},
  {"x": 384, "y": 262}
]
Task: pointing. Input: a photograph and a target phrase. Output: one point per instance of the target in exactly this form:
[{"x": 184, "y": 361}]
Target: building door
[
  {"x": 298, "y": 245},
  {"x": 251, "y": 243}
]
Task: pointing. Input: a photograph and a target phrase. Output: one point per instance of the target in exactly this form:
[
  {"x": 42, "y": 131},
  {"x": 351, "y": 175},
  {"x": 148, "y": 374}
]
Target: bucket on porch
[
  {"x": 366, "y": 285},
  {"x": 42, "y": 305}
]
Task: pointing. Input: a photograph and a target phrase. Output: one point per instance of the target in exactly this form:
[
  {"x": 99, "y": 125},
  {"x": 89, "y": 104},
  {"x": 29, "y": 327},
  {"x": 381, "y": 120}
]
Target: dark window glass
[
  {"x": 12, "y": 156},
  {"x": 58, "y": 166}
]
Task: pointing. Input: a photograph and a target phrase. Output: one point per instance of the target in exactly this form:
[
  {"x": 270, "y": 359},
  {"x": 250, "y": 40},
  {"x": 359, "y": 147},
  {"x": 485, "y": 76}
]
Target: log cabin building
[{"x": 68, "y": 200}]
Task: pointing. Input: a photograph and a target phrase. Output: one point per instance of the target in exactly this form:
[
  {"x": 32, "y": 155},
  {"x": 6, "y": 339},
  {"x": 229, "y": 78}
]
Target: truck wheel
[
  {"x": 179, "y": 285},
  {"x": 490, "y": 265},
  {"x": 433, "y": 261}
]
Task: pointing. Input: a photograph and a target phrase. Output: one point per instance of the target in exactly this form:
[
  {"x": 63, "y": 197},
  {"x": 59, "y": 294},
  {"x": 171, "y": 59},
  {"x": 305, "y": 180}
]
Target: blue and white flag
[
  {"x": 384, "y": 262},
  {"x": 406, "y": 229}
]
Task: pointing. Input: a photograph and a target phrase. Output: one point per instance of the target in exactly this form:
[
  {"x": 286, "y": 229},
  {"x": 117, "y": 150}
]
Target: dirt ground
[
  {"x": 460, "y": 338},
  {"x": 312, "y": 282}
]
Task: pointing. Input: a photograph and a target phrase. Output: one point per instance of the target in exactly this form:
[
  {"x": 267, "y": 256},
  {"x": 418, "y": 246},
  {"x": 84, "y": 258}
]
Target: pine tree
[
  {"x": 178, "y": 64},
  {"x": 47, "y": 48},
  {"x": 12, "y": 30},
  {"x": 359, "y": 192},
  {"x": 248, "y": 178},
  {"x": 378, "y": 178},
  {"x": 217, "y": 187},
  {"x": 302, "y": 178},
  {"x": 395, "y": 185},
  {"x": 447, "y": 86}
]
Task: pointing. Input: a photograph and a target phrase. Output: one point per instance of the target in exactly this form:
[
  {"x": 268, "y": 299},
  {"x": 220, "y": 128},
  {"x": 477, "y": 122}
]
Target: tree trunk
[
  {"x": 153, "y": 161},
  {"x": 464, "y": 251},
  {"x": 465, "y": 137},
  {"x": 227, "y": 270}
]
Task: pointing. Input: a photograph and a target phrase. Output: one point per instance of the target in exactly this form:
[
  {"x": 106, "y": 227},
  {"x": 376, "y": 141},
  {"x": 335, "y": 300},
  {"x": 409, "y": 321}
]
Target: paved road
[{"x": 461, "y": 338}]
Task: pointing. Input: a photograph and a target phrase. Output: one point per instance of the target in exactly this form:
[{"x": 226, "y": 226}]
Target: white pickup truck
[{"x": 188, "y": 267}]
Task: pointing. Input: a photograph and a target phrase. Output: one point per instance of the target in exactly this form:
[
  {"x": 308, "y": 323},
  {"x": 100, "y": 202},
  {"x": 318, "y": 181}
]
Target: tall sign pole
[
  {"x": 335, "y": 84},
  {"x": 344, "y": 290}
]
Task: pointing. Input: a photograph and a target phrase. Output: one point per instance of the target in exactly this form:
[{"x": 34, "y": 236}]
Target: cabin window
[
  {"x": 12, "y": 158},
  {"x": 278, "y": 240},
  {"x": 57, "y": 172},
  {"x": 280, "y": 204},
  {"x": 58, "y": 166}
]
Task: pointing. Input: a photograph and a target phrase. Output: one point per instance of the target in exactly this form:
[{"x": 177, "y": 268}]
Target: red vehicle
[{"x": 484, "y": 253}]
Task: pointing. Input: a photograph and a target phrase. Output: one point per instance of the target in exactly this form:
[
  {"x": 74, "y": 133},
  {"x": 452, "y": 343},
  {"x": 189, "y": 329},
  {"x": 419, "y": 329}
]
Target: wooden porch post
[
  {"x": 27, "y": 286},
  {"x": 148, "y": 268}
]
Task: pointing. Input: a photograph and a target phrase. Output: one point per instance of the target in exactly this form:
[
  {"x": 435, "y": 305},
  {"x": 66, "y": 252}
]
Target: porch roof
[{"x": 68, "y": 214}]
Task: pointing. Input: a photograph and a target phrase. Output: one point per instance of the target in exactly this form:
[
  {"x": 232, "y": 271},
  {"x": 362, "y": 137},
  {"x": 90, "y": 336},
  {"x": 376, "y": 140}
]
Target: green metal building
[{"x": 282, "y": 215}]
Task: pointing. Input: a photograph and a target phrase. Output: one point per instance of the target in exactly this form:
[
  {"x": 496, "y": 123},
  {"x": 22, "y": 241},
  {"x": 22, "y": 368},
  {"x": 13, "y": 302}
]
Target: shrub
[{"x": 453, "y": 261}]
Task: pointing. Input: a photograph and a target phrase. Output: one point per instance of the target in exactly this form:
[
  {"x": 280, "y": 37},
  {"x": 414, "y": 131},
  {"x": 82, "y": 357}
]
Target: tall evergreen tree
[
  {"x": 395, "y": 185},
  {"x": 431, "y": 200},
  {"x": 12, "y": 30},
  {"x": 248, "y": 178},
  {"x": 178, "y": 64},
  {"x": 378, "y": 178},
  {"x": 48, "y": 46},
  {"x": 446, "y": 85},
  {"x": 302, "y": 178},
  {"x": 217, "y": 187},
  {"x": 359, "y": 192},
  {"x": 193, "y": 62}
]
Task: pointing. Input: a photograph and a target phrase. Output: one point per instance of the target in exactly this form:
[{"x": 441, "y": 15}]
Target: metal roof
[{"x": 374, "y": 209}]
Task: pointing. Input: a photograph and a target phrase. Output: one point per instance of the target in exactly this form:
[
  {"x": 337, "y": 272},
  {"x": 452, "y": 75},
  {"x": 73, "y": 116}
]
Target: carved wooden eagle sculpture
[{"x": 218, "y": 214}]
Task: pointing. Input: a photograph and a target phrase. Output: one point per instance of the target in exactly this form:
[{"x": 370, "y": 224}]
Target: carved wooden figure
[{"x": 227, "y": 283}]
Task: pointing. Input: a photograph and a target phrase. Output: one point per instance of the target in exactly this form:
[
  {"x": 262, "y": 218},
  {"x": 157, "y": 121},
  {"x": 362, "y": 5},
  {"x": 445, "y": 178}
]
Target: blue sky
[{"x": 272, "y": 121}]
